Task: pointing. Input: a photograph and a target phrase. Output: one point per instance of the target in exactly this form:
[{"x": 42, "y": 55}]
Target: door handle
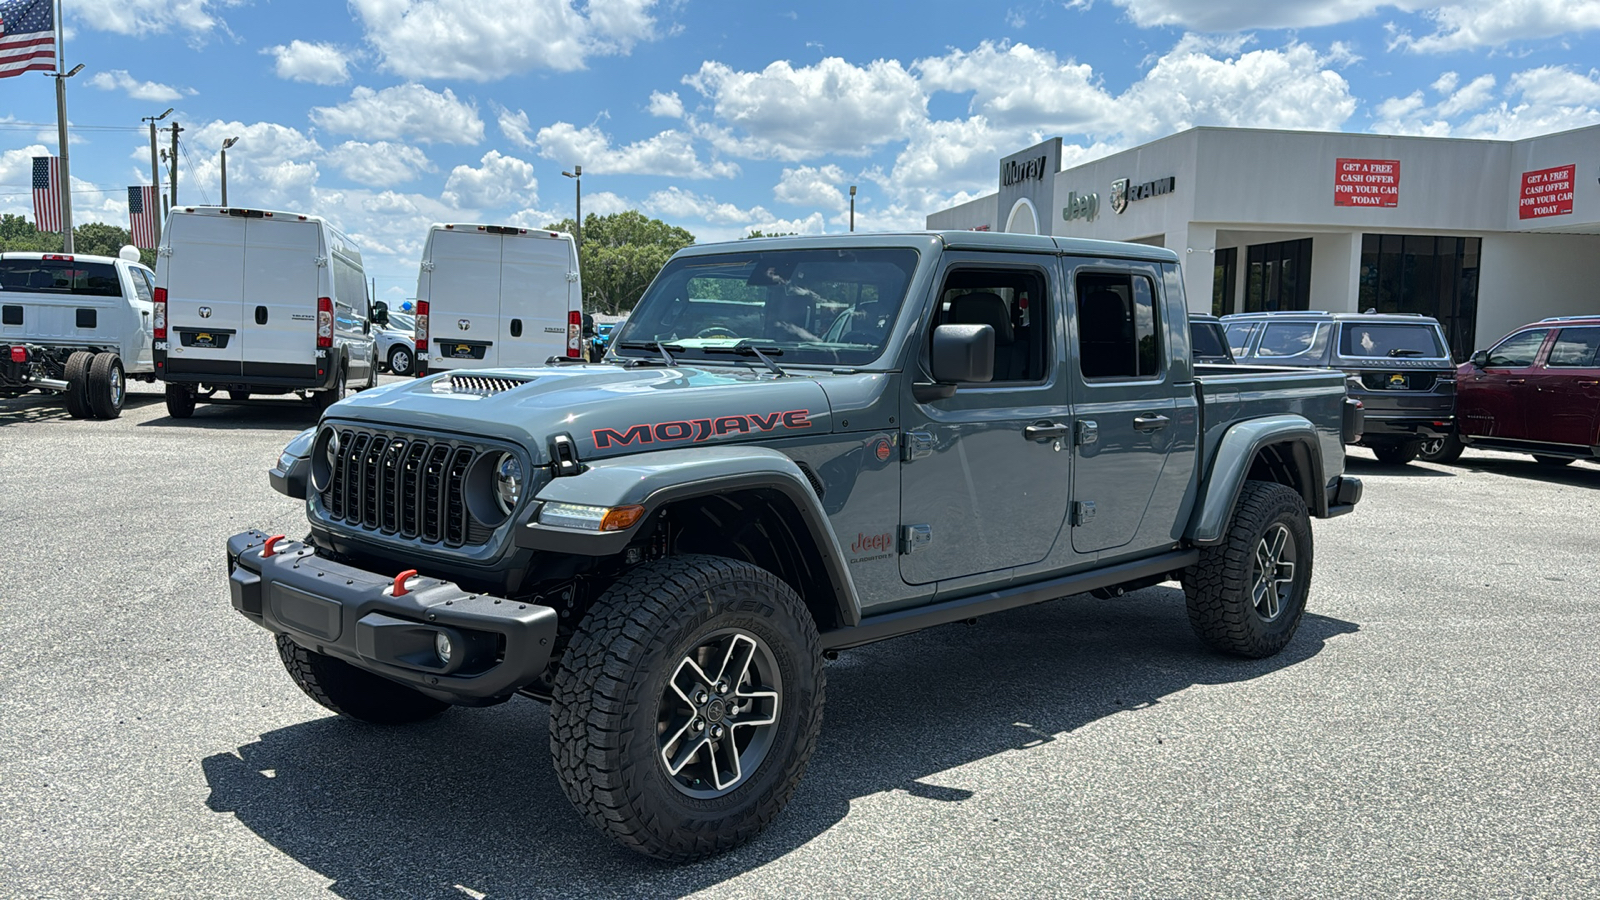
[
  {"x": 1045, "y": 431},
  {"x": 1588, "y": 383},
  {"x": 1515, "y": 380},
  {"x": 1150, "y": 422}
]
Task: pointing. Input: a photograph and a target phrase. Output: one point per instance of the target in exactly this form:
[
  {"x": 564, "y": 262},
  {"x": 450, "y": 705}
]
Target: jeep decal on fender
[{"x": 700, "y": 429}]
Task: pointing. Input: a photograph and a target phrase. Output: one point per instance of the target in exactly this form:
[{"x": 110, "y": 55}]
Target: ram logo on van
[{"x": 700, "y": 429}]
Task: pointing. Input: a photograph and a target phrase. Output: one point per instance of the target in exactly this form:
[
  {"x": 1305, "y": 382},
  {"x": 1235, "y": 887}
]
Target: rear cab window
[
  {"x": 59, "y": 276},
  {"x": 1387, "y": 340}
]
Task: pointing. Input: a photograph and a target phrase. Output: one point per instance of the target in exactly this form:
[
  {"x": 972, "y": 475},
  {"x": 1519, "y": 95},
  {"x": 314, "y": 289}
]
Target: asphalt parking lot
[{"x": 1432, "y": 730}]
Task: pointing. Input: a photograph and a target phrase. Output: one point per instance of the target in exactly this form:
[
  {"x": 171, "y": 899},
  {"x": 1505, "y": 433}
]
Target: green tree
[
  {"x": 758, "y": 233},
  {"x": 91, "y": 239},
  {"x": 621, "y": 253}
]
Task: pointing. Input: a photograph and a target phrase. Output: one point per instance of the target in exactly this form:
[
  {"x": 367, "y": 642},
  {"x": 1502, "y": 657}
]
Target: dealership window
[
  {"x": 1419, "y": 273},
  {"x": 1224, "y": 273},
  {"x": 1279, "y": 276}
]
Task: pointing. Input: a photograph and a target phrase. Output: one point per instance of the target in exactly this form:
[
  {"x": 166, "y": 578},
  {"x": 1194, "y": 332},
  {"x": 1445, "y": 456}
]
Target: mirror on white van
[{"x": 380, "y": 313}]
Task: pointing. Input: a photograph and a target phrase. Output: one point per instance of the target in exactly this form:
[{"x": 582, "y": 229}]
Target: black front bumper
[{"x": 349, "y": 613}]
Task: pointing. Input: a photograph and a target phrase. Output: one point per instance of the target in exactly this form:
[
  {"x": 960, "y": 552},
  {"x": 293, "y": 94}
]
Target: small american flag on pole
[
  {"x": 27, "y": 36},
  {"x": 47, "y": 193},
  {"x": 142, "y": 211}
]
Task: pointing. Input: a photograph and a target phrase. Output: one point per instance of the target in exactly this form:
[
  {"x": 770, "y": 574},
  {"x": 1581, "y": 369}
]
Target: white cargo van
[
  {"x": 490, "y": 295},
  {"x": 256, "y": 302}
]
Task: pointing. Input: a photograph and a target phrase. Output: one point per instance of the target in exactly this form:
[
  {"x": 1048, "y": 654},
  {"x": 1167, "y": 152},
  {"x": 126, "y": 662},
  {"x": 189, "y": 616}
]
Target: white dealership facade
[{"x": 1483, "y": 235}]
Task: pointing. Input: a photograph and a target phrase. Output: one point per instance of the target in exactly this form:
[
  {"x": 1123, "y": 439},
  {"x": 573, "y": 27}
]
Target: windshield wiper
[
  {"x": 659, "y": 347},
  {"x": 1401, "y": 351},
  {"x": 751, "y": 350}
]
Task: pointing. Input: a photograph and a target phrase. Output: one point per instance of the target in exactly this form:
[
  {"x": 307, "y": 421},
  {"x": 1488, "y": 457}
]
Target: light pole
[
  {"x": 155, "y": 172},
  {"x": 852, "y": 208},
  {"x": 61, "y": 134},
  {"x": 225, "y": 145},
  {"x": 577, "y": 232}
]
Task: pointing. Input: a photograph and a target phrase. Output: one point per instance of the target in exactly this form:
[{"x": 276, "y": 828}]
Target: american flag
[
  {"x": 47, "y": 193},
  {"x": 27, "y": 36},
  {"x": 142, "y": 211}
]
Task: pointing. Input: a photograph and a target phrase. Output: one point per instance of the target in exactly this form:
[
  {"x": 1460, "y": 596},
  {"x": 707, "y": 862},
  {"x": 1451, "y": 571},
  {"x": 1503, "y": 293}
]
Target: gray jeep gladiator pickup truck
[{"x": 793, "y": 446}]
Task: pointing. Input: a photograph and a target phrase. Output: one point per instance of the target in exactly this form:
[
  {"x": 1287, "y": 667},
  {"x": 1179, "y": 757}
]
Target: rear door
[
  {"x": 464, "y": 300},
  {"x": 1566, "y": 390},
  {"x": 282, "y": 281},
  {"x": 205, "y": 276},
  {"x": 1126, "y": 410},
  {"x": 534, "y": 298},
  {"x": 1493, "y": 400}
]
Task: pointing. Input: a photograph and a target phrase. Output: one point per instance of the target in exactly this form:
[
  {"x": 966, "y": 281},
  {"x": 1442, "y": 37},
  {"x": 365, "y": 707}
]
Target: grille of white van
[
  {"x": 478, "y": 385},
  {"x": 402, "y": 484}
]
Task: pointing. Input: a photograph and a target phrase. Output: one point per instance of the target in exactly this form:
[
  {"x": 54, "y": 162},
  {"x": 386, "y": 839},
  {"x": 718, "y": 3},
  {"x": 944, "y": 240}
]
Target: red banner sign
[
  {"x": 1366, "y": 182},
  {"x": 1546, "y": 192}
]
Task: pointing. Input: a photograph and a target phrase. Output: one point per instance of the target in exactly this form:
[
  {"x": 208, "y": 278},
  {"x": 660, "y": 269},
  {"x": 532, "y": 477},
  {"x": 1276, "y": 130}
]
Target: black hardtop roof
[{"x": 952, "y": 240}]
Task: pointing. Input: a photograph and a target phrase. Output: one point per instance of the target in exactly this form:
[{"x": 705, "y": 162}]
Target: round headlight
[
  {"x": 324, "y": 459},
  {"x": 507, "y": 483},
  {"x": 333, "y": 448}
]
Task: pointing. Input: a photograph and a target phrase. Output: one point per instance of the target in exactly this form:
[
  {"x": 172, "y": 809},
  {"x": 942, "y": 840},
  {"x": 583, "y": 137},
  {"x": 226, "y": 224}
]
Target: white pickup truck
[{"x": 77, "y": 325}]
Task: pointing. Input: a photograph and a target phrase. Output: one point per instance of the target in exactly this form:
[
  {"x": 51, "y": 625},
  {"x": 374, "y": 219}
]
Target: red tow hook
[
  {"x": 400, "y": 582},
  {"x": 267, "y": 550}
]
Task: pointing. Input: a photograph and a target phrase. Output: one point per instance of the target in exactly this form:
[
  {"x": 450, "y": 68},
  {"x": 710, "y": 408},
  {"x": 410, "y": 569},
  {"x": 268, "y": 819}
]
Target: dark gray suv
[{"x": 1397, "y": 364}]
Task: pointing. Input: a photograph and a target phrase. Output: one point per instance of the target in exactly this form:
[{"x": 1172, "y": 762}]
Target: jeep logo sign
[
  {"x": 1015, "y": 172},
  {"x": 1081, "y": 206}
]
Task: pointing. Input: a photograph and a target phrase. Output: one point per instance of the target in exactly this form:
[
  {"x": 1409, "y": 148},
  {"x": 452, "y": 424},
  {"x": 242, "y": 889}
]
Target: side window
[
  {"x": 1117, "y": 327},
  {"x": 1575, "y": 348},
  {"x": 1292, "y": 339},
  {"x": 350, "y": 304},
  {"x": 141, "y": 285},
  {"x": 1239, "y": 336},
  {"x": 1519, "y": 350},
  {"x": 1014, "y": 302}
]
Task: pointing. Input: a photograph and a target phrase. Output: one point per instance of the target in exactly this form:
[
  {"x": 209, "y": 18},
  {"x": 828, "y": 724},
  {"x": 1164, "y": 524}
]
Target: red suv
[{"x": 1537, "y": 391}]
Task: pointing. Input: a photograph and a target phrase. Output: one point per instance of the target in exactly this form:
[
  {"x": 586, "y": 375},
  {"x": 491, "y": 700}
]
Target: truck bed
[{"x": 1231, "y": 393}]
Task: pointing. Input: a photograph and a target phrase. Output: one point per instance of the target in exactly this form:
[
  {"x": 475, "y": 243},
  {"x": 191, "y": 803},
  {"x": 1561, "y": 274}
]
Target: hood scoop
[{"x": 477, "y": 385}]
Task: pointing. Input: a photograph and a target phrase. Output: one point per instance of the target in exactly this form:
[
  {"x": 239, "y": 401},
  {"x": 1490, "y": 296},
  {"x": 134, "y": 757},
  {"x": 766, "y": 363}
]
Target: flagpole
[{"x": 61, "y": 131}]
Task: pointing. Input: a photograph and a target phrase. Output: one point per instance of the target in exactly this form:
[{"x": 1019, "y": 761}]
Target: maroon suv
[{"x": 1537, "y": 391}]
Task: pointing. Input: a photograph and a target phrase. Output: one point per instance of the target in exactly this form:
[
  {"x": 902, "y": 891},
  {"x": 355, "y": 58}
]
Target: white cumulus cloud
[
  {"x": 120, "y": 80},
  {"x": 671, "y": 153},
  {"x": 484, "y": 41},
  {"x": 667, "y": 106},
  {"x": 406, "y": 111},
  {"x": 142, "y": 17},
  {"x": 813, "y": 187},
  {"x": 498, "y": 182},
  {"x": 316, "y": 63},
  {"x": 379, "y": 164},
  {"x": 1534, "y": 101}
]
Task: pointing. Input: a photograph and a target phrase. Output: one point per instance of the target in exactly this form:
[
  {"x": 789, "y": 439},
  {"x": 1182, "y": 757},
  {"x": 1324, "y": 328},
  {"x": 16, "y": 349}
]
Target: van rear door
[
  {"x": 464, "y": 320},
  {"x": 534, "y": 298},
  {"x": 281, "y": 287},
  {"x": 205, "y": 294}
]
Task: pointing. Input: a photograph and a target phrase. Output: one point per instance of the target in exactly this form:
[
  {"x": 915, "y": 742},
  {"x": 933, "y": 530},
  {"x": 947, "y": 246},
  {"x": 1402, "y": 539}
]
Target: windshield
[
  {"x": 1207, "y": 340},
  {"x": 1379, "y": 339},
  {"x": 60, "y": 276},
  {"x": 826, "y": 307}
]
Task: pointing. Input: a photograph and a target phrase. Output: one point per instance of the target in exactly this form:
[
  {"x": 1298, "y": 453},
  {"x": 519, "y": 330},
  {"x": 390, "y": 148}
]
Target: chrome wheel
[
  {"x": 1272, "y": 576},
  {"x": 1431, "y": 447},
  {"x": 718, "y": 714}
]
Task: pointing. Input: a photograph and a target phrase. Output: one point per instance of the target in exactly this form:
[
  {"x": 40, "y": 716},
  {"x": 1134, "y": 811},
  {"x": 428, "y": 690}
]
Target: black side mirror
[
  {"x": 1481, "y": 359},
  {"x": 380, "y": 313},
  {"x": 963, "y": 354}
]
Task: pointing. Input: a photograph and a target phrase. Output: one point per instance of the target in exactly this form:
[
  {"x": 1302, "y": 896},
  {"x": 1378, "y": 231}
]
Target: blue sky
[{"x": 720, "y": 117}]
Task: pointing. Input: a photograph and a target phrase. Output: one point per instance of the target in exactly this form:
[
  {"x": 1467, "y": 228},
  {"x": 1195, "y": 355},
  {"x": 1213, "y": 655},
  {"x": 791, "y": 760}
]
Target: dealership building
[{"x": 1482, "y": 235}]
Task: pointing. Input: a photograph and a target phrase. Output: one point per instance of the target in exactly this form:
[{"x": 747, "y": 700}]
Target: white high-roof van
[
  {"x": 490, "y": 295},
  {"x": 256, "y": 302}
]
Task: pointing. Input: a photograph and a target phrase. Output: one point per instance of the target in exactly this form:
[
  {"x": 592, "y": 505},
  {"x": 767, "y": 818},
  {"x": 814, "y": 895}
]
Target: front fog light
[
  {"x": 590, "y": 518},
  {"x": 507, "y": 483},
  {"x": 441, "y": 646}
]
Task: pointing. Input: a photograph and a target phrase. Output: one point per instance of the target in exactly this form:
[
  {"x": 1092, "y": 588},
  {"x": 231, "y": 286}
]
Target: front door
[
  {"x": 986, "y": 473},
  {"x": 1566, "y": 390},
  {"x": 1492, "y": 401},
  {"x": 1126, "y": 416}
]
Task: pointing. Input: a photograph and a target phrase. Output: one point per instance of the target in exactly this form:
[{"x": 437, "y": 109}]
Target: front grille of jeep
[{"x": 404, "y": 484}]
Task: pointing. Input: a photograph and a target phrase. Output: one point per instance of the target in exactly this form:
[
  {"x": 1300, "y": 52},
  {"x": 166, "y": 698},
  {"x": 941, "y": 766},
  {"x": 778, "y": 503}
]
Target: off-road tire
[
  {"x": 1397, "y": 454},
  {"x": 325, "y": 399},
  {"x": 607, "y": 695},
  {"x": 108, "y": 386},
  {"x": 1443, "y": 450},
  {"x": 352, "y": 692},
  {"x": 180, "y": 401},
  {"x": 76, "y": 373},
  {"x": 400, "y": 351},
  {"x": 1218, "y": 587},
  {"x": 1553, "y": 462}
]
